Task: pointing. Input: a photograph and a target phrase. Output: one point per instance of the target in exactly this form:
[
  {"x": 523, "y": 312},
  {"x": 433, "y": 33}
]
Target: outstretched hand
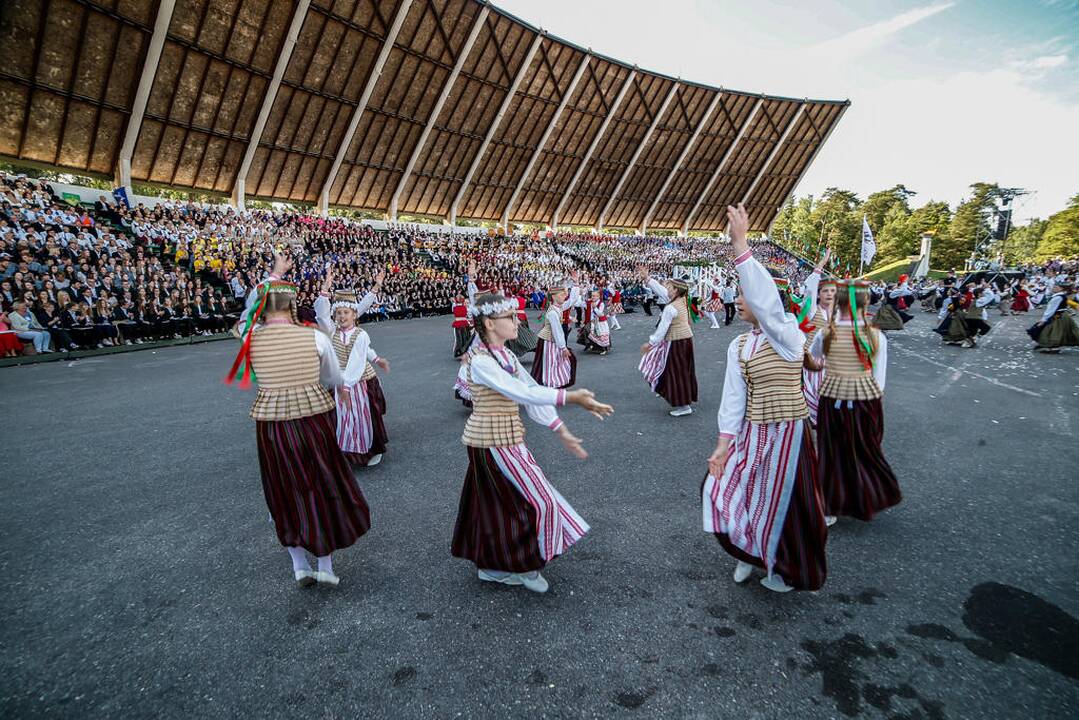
[
  {"x": 383, "y": 363},
  {"x": 738, "y": 227},
  {"x": 824, "y": 260},
  {"x": 587, "y": 400},
  {"x": 572, "y": 443}
]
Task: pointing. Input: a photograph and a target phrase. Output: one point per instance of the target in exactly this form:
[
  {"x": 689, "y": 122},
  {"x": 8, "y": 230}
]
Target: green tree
[
  {"x": 1022, "y": 243},
  {"x": 1061, "y": 236},
  {"x": 969, "y": 226},
  {"x": 897, "y": 237},
  {"x": 878, "y": 205},
  {"x": 793, "y": 226},
  {"x": 838, "y": 218}
]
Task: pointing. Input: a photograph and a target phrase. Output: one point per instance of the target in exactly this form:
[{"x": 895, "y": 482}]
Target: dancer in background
[
  {"x": 820, "y": 294},
  {"x": 554, "y": 364},
  {"x": 714, "y": 303},
  {"x": 1057, "y": 328},
  {"x": 462, "y": 326},
  {"x": 667, "y": 363},
  {"x": 526, "y": 340},
  {"x": 598, "y": 339},
  {"x": 760, "y": 497},
  {"x": 615, "y": 308},
  {"x": 892, "y": 314},
  {"x": 510, "y": 520},
  {"x": 315, "y": 504},
  {"x": 855, "y": 478},
  {"x": 361, "y": 430}
]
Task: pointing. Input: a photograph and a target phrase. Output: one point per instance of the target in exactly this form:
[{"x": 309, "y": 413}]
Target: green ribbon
[{"x": 865, "y": 351}]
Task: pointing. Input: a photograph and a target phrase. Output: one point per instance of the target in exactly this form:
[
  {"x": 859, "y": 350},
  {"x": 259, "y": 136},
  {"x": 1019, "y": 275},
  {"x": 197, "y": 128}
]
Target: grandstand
[{"x": 447, "y": 109}]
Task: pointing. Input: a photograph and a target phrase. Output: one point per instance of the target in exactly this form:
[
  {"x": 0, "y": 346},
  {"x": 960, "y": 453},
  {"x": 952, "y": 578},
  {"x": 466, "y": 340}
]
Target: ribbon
[
  {"x": 861, "y": 345},
  {"x": 242, "y": 364}
]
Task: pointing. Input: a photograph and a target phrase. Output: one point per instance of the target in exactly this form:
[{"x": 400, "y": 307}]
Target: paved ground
[{"x": 142, "y": 578}]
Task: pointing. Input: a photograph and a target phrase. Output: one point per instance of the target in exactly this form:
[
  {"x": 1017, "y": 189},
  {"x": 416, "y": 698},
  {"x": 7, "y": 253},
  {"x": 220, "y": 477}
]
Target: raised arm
[{"x": 661, "y": 292}]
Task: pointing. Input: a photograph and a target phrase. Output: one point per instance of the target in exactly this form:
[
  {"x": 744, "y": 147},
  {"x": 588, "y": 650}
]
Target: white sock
[
  {"x": 299, "y": 559},
  {"x": 325, "y": 564},
  {"x": 500, "y": 574},
  {"x": 711, "y": 316}
]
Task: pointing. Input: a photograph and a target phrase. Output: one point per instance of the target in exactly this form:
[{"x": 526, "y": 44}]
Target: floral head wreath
[
  {"x": 241, "y": 366},
  {"x": 345, "y": 299},
  {"x": 488, "y": 309}
]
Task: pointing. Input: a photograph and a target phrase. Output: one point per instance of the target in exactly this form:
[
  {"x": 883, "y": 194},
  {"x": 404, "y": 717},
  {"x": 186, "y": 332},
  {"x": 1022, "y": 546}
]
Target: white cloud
[
  {"x": 860, "y": 41},
  {"x": 1043, "y": 62}
]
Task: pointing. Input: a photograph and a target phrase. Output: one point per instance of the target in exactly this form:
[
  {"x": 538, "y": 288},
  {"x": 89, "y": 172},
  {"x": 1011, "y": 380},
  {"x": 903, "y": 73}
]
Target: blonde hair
[{"x": 842, "y": 304}]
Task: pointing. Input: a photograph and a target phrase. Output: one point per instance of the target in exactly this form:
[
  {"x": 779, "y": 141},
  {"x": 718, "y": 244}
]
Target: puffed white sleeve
[
  {"x": 539, "y": 401},
  {"x": 371, "y": 354},
  {"x": 554, "y": 317},
  {"x": 816, "y": 348},
  {"x": 665, "y": 319},
  {"x": 880, "y": 362},
  {"x": 661, "y": 292},
  {"x": 329, "y": 371},
  {"x": 322, "y": 314},
  {"x": 1051, "y": 307},
  {"x": 759, "y": 292},
  {"x": 732, "y": 406},
  {"x": 812, "y": 288},
  {"x": 369, "y": 299}
]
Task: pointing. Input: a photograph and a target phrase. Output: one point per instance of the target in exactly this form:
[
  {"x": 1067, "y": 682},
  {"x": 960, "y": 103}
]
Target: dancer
[
  {"x": 892, "y": 313},
  {"x": 315, "y": 504},
  {"x": 361, "y": 430},
  {"x": 462, "y": 326},
  {"x": 667, "y": 362},
  {"x": 615, "y": 308},
  {"x": 1057, "y": 328},
  {"x": 820, "y": 294},
  {"x": 954, "y": 328},
  {"x": 510, "y": 520},
  {"x": 1020, "y": 299},
  {"x": 760, "y": 497},
  {"x": 598, "y": 339},
  {"x": 526, "y": 340},
  {"x": 714, "y": 304},
  {"x": 856, "y": 479},
  {"x": 554, "y": 364}
]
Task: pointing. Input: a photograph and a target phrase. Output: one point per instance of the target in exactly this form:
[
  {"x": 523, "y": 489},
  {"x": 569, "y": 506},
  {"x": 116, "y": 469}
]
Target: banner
[{"x": 869, "y": 245}]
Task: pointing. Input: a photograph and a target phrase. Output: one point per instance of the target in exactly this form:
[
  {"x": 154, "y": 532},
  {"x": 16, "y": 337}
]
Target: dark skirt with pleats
[
  {"x": 678, "y": 382},
  {"x": 312, "y": 496},
  {"x": 496, "y": 526},
  {"x": 377, "y": 401},
  {"x": 888, "y": 318},
  {"x": 856, "y": 479},
  {"x": 525, "y": 342},
  {"x": 1060, "y": 331},
  {"x": 462, "y": 339}
]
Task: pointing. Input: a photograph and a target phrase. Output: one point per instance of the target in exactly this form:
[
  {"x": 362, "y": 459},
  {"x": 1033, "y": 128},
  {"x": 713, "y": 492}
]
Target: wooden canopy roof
[{"x": 448, "y": 108}]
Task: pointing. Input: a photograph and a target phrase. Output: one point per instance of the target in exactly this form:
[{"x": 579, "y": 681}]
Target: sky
[{"x": 943, "y": 93}]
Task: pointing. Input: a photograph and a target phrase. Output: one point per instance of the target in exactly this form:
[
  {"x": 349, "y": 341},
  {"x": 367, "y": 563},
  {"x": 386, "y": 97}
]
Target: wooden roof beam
[{"x": 768, "y": 161}]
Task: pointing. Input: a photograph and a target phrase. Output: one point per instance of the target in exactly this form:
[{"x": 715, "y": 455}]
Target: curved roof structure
[{"x": 448, "y": 108}]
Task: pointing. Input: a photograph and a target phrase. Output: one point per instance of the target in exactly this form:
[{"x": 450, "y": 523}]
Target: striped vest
[
  {"x": 545, "y": 332},
  {"x": 679, "y": 328},
  {"x": 845, "y": 378},
  {"x": 773, "y": 385},
  {"x": 495, "y": 420},
  {"x": 344, "y": 352},
  {"x": 286, "y": 362}
]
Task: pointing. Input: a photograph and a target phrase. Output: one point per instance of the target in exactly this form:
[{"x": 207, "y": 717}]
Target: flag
[{"x": 869, "y": 245}]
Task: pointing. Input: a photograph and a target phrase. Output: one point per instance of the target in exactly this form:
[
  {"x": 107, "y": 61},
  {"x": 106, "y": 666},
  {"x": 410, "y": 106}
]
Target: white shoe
[
  {"x": 326, "y": 578},
  {"x": 375, "y": 460},
  {"x": 499, "y": 577},
  {"x": 829, "y": 520},
  {"x": 775, "y": 584},
  {"x": 680, "y": 411},
  {"x": 305, "y": 578},
  {"x": 742, "y": 571},
  {"x": 534, "y": 581},
  {"x": 715, "y": 327}
]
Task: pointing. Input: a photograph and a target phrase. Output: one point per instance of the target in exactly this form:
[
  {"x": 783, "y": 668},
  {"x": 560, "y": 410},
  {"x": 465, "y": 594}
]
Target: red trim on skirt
[
  {"x": 377, "y": 401},
  {"x": 855, "y": 478},
  {"x": 310, "y": 492},
  {"x": 536, "y": 371},
  {"x": 496, "y": 525},
  {"x": 678, "y": 382}
]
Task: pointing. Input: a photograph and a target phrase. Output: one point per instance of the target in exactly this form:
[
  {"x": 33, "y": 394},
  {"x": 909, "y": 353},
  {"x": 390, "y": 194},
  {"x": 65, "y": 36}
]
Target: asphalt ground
[{"x": 143, "y": 579}]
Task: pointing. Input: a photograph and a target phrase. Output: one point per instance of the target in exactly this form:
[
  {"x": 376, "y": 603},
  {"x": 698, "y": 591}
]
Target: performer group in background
[
  {"x": 554, "y": 364},
  {"x": 511, "y": 521},
  {"x": 598, "y": 336},
  {"x": 893, "y": 314},
  {"x": 667, "y": 361},
  {"x": 1057, "y": 327},
  {"x": 316, "y": 506}
]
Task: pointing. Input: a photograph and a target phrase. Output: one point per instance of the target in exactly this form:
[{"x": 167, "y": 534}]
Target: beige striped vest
[
  {"x": 495, "y": 420},
  {"x": 344, "y": 352},
  {"x": 545, "y": 332},
  {"x": 774, "y": 385},
  {"x": 845, "y": 378},
  {"x": 285, "y": 360},
  {"x": 679, "y": 328}
]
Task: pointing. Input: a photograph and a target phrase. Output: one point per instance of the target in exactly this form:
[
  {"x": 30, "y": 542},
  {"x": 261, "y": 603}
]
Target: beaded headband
[{"x": 494, "y": 308}]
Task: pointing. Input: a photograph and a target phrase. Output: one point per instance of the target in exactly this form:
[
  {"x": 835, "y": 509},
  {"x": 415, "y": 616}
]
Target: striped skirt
[
  {"x": 361, "y": 430},
  {"x": 551, "y": 368},
  {"x": 510, "y": 517},
  {"x": 672, "y": 373},
  {"x": 714, "y": 305},
  {"x": 811, "y": 382},
  {"x": 312, "y": 496},
  {"x": 766, "y": 509},
  {"x": 856, "y": 480}
]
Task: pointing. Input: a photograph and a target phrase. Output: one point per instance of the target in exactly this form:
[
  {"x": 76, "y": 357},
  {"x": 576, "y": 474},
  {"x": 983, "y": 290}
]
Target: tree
[
  {"x": 1022, "y": 243},
  {"x": 793, "y": 225},
  {"x": 837, "y": 216},
  {"x": 1061, "y": 236},
  {"x": 877, "y": 206},
  {"x": 969, "y": 226}
]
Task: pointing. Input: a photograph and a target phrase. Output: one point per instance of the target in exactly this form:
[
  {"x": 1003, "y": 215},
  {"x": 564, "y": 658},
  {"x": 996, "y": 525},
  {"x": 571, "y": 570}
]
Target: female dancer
[
  {"x": 667, "y": 362},
  {"x": 857, "y": 481},
  {"x": 316, "y": 506},
  {"x": 760, "y": 497},
  {"x": 714, "y": 304},
  {"x": 462, "y": 326},
  {"x": 598, "y": 339},
  {"x": 361, "y": 430},
  {"x": 615, "y": 308},
  {"x": 1020, "y": 299},
  {"x": 1057, "y": 328},
  {"x": 892, "y": 313},
  {"x": 820, "y": 294},
  {"x": 554, "y": 364},
  {"x": 525, "y": 342},
  {"x": 511, "y": 521}
]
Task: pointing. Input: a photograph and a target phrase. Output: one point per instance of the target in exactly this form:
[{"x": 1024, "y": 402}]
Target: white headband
[
  {"x": 494, "y": 308},
  {"x": 345, "y": 304}
]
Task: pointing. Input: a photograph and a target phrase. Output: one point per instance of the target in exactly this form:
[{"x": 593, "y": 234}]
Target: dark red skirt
[
  {"x": 678, "y": 383},
  {"x": 377, "y": 400},
  {"x": 800, "y": 557},
  {"x": 496, "y": 526},
  {"x": 536, "y": 371},
  {"x": 855, "y": 478},
  {"x": 309, "y": 488}
]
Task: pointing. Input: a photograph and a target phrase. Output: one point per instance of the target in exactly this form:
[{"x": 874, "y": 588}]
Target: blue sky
[{"x": 944, "y": 93}]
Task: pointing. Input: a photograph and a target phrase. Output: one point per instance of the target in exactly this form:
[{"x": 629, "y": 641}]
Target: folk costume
[
  {"x": 462, "y": 326},
  {"x": 955, "y": 328},
  {"x": 766, "y": 509},
  {"x": 855, "y": 478},
  {"x": 554, "y": 364},
  {"x": 714, "y": 304},
  {"x": 812, "y": 379},
  {"x": 361, "y": 430},
  {"x": 315, "y": 504},
  {"x": 668, "y": 366},
  {"x": 1020, "y": 300},
  {"x": 614, "y": 309},
  {"x": 526, "y": 340},
  {"x": 510, "y": 521},
  {"x": 1057, "y": 328},
  {"x": 892, "y": 313},
  {"x": 599, "y": 331}
]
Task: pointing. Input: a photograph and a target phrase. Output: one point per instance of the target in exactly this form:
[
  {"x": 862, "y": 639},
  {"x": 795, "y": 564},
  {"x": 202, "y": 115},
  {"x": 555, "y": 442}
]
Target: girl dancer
[
  {"x": 714, "y": 304},
  {"x": 857, "y": 481},
  {"x": 316, "y": 506},
  {"x": 511, "y": 521},
  {"x": 615, "y": 308},
  {"x": 760, "y": 497},
  {"x": 820, "y": 294},
  {"x": 462, "y": 326},
  {"x": 554, "y": 364},
  {"x": 599, "y": 332},
  {"x": 361, "y": 430},
  {"x": 892, "y": 313},
  {"x": 525, "y": 342},
  {"x": 1057, "y": 328},
  {"x": 667, "y": 362}
]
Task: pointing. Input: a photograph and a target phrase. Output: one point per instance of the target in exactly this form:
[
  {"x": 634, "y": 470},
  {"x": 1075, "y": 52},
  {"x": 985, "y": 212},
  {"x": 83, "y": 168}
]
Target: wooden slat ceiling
[{"x": 69, "y": 68}]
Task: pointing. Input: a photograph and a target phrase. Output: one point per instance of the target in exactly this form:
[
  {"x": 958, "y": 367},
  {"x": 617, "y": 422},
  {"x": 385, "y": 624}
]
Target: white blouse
[{"x": 539, "y": 401}]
